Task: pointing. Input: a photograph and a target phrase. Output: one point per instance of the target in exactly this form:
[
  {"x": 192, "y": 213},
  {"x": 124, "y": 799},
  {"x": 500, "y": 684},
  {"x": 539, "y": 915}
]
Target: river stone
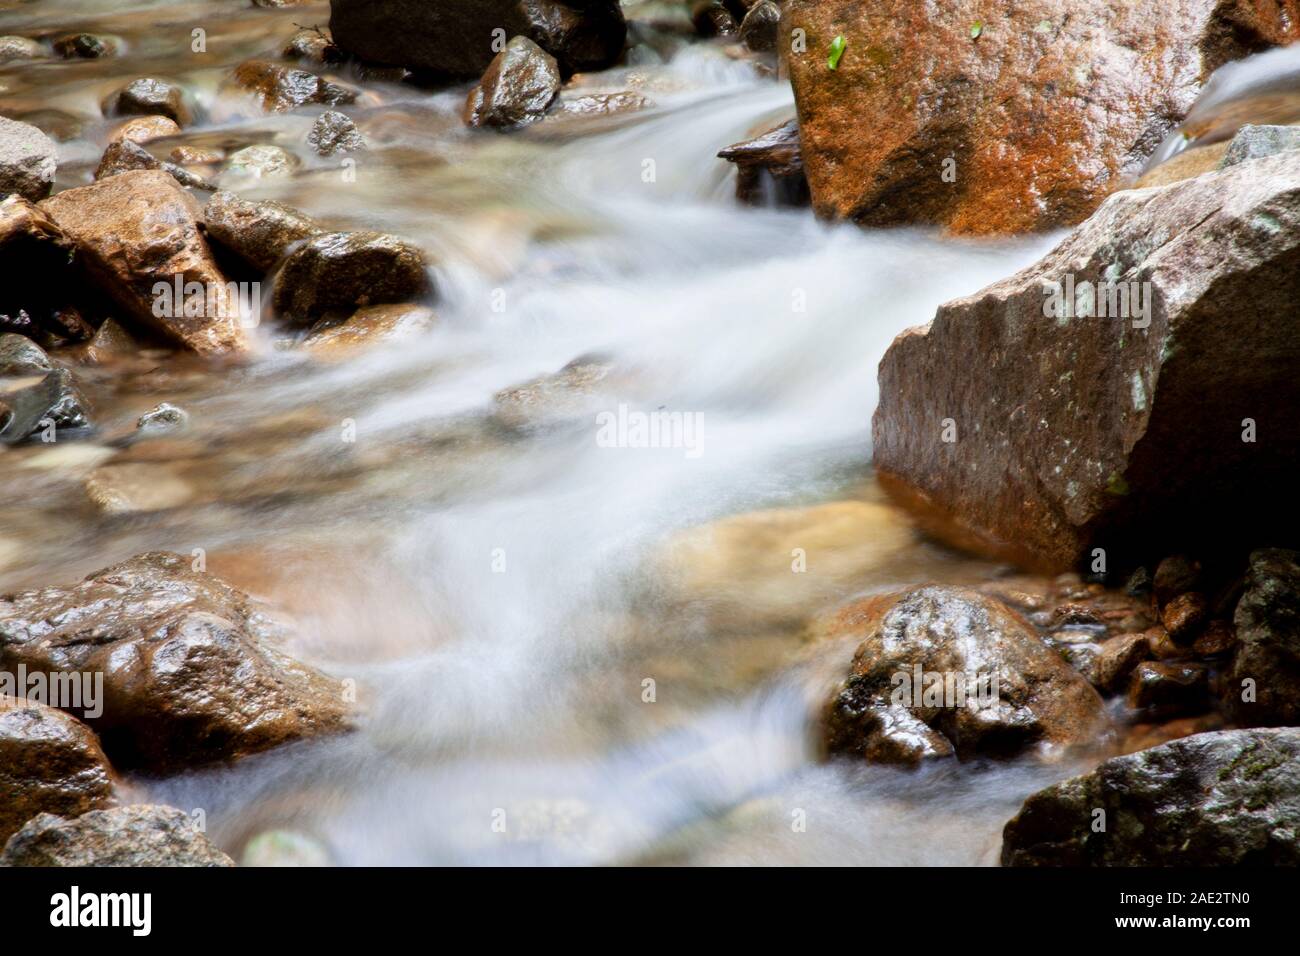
[
  {"x": 50, "y": 762},
  {"x": 1073, "y": 433},
  {"x": 85, "y": 46},
  {"x": 1226, "y": 798},
  {"x": 459, "y": 38},
  {"x": 278, "y": 88},
  {"x": 124, "y": 154},
  {"x": 143, "y": 835},
  {"x": 142, "y": 129},
  {"x": 342, "y": 271},
  {"x": 711, "y": 19},
  {"x": 28, "y": 159},
  {"x": 1044, "y": 110},
  {"x": 333, "y": 132},
  {"x": 315, "y": 46},
  {"x": 192, "y": 673},
  {"x": 163, "y": 419},
  {"x": 1040, "y": 701},
  {"x": 19, "y": 355},
  {"x": 20, "y": 48},
  {"x": 135, "y": 230},
  {"x": 770, "y": 167},
  {"x": 759, "y": 29},
  {"x": 1267, "y": 621},
  {"x": 518, "y": 87},
  {"x": 370, "y": 326},
  {"x": 1253, "y": 142},
  {"x": 262, "y": 160},
  {"x": 54, "y": 401},
  {"x": 148, "y": 96},
  {"x": 259, "y": 232}
]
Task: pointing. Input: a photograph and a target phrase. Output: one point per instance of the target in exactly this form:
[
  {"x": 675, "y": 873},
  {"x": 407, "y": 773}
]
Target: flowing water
[{"x": 494, "y": 585}]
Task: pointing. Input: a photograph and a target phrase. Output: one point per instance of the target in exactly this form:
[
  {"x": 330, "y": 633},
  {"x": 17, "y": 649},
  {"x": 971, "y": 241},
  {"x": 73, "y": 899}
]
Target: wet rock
[
  {"x": 1186, "y": 165},
  {"x": 334, "y": 132},
  {"x": 1018, "y": 692},
  {"x": 769, "y": 168},
  {"x": 149, "y": 96},
  {"x": 163, "y": 419},
  {"x": 143, "y": 129},
  {"x": 19, "y": 355},
  {"x": 315, "y": 46},
  {"x": 86, "y": 46},
  {"x": 33, "y": 246},
  {"x": 28, "y": 159},
  {"x": 49, "y": 763},
  {"x": 1254, "y": 142},
  {"x": 278, "y": 88},
  {"x": 603, "y": 104},
  {"x": 191, "y": 670},
  {"x": 110, "y": 342},
  {"x": 261, "y": 160},
  {"x": 711, "y": 19},
  {"x": 1184, "y": 616},
  {"x": 369, "y": 326},
  {"x": 188, "y": 155},
  {"x": 517, "y": 88},
  {"x": 1218, "y": 638},
  {"x": 1143, "y": 736},
  {"x": 1227, "y": 798},
  {"x": 259, "y": 232},
  {"x": 123, "y": 155},
  {"x": 759, "y": 29},
  {"x": 342, "y": 271},
  {"x": 137, "y": 487},
  {"x": 1088, "y": 444},
  {"x": 136, "y": 230},
  {"x": 50, "y": 405},
  {"x": 1043, "y": 112},
  {"x": 1117, "y": 659},
  {"x": 20, "y": 48},
  {"x": 456, "y": 37},
  {"x": 1175, "y": 575},
  {"x": 144, "y": 835},
  {"x": 1169, "y": 689},
  {"x": 1266, "y": 666},
  {"x": 566, "y": 395},
  {"x": 1139, "y": 582}
]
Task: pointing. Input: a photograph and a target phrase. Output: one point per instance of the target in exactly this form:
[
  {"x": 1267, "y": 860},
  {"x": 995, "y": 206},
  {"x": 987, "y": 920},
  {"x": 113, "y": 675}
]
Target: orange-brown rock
[
  {"x": 1044, "y": 107},
  {"x": 191, "y": 670},
  {"x": 137, "y": 229}
]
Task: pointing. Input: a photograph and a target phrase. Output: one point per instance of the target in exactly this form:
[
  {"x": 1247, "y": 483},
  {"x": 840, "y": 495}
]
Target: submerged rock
[
  {"x": 163, "y": 419},
  {"x": 86, "y": 46},
  {"x": 458, "y": 37},
  {"x": 261, "y": 160},
  {"x": 369, "y": 326},
  {"x": 1006, "y": 121},
  {"x": 519, "y": 86},
  {"x": 278, "y": 88},
  {"x": 770, "y": 167},
  {"x": 139, "y": 229},
  {"x": 142, "y": 835},
  {"x": 1000, "y": 688},
  {"x": 259, "y": 232},
  {"x": 1227, "y": 798},
  {"x": 333, "y": 132},
  {"x": 191, "y": 671},
  {"x": 49, "y": 405},
  {"x": 149, "y": 96},
  {"x": 28, "y": 160},
  {"x": 1262, "y": 685},
  {"x": 340, "y": 271},
  {"x": 1072, "y": 430},
  {"x": 49, "y": 763},
  {"x": 315, "y": 46}
]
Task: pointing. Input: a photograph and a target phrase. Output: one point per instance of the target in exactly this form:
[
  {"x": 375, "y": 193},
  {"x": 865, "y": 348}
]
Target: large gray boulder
[
  {"x": 460, "y": 37},
  {"x": 1227, "y": 798},
  {"x": 1262, "y": 685}
]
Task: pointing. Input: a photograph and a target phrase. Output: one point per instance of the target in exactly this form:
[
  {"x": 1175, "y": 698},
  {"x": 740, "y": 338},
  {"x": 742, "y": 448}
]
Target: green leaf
[
  {"x": 837, "y": 51},
  {"x": 1116, "y": 485},
  {"x": 976, "y": 29}
]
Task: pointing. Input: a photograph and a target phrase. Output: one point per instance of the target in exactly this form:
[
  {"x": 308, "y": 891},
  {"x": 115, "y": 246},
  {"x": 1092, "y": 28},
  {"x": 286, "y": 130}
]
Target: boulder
[
  {"x": 1226, "y": 798},
  {"x": 1043, "y": 108},
  {"x": 759, "y": 29},
  {"x": 333, "y": 132},
  {"x": 143, "y": 835},
  {"x": 19, "y": 355},
  {"x": 341, "y": 271},
  {"x": 1071, "y": 431},
  {"x": 258, "y": 232},
  {"x": 460, "y": 38},
  {"x": 52, "y": 404},
  {"x": 711, "y": 19},
  {"x": 1000, "y": 688},
  {"x": 769, "y": 168},
  {"x": 33, "y": 246},
  {"x": 49, "y": 763},
  {"x": 148, "y": 96},
  {"x": 1267, "y": 623},
  {"x": 519, "y": 87},
  {"x": 278, "y": 88},
  {"x": 28, "y": 159},
  {"x": 137, "y": 229},
  {"x": 192, "y": 673}
]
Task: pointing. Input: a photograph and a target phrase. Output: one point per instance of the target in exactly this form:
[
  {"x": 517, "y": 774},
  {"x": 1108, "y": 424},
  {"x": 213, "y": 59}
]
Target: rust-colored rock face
[
  {"x": 137, "y": 229},
  {"x": 1042, "y": 106},
  {"x": 1036, "y": 437},
  {"x": 190, "y": 670}
]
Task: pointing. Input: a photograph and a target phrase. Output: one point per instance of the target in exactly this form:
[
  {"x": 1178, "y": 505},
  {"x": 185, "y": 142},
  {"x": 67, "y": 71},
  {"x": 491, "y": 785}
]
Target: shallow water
[{"x": 496, "y": 591}]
